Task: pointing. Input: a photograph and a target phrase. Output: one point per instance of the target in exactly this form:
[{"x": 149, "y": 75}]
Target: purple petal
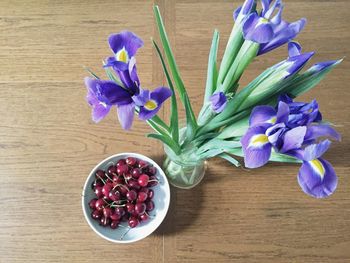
[
  {"x": 317, "y": 178},
  {"x": 142, "y": 97},
  {"x": 126, "y": 115},
  {"x": 321, "y": 130},
  {"x": 323, "y": 65},
  {"x": 261, "y": 115},
  {"x": 293, "y": 139},
  {"x": 247, "y": 7},
  {"x": 99, "y": 111},
  {"x": 151, "y": 107},
  {"x": 117, "y": 65},
  {"x": 294, "y": 49},
  {"x": 282, "y": 112},
  {"x": 315, "y": 151},
  {"x": 218, "y": 101},
  {"x": 256, "y": 147},
  {"x": 236, "y": 12},
  {"x": 278, "y": 17},
  {"x": 298, "y": 62},
  {"x": 257, "y": 29},
  {"x": 108, "y": 92},
  {"x": 127, "y": 40},
  {"x": 133, "y": 72},
  {"x": 285, "y": 98},
  {"x": 161, "y": 94},
  {"x": 265, "y": 6}
]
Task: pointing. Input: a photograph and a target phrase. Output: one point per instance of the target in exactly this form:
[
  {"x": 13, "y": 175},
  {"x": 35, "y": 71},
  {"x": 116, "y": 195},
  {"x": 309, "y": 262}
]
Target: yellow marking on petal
[
  {"x": 122, "y": 56},
  {"x": 264, "y": 20},
  {"x": 318, "y": 167},
  {"x": 151, "y": 105},
  {"x": 258, "y": 140},
  {"x": 272, "y": 120}
]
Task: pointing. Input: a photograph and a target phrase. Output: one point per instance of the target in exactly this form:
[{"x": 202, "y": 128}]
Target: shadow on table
[{"x": 185, "y": 205}]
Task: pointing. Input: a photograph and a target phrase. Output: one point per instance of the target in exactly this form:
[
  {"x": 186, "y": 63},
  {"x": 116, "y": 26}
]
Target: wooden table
[{"x": 48, "y": 143}]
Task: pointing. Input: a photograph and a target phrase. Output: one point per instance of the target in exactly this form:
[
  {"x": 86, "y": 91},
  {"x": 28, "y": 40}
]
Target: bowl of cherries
[{"x": 125, "y": 197}]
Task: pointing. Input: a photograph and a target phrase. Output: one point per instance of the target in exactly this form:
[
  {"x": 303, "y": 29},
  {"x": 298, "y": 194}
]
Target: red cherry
[
  {"x": 143, "y": 180},
  {"x": 131, "y": 161},
  {"x": 92, "y": 203},
  {"x": 100, "y": 174},
  {"x": 144, "y": 217},
  {"x": 130, "y": 208},
  {"x": 96, "y": 214},
  {"x": 100, "y": 203},
  {"x": 140, "y": 208},
  {"x": 141, "y": 197},
  {"x": 106, "y": 189},
  {"x": 115, "y": 217},
  {"x": 142, "y": 164},
  {"x": 131, "y": 195},
  {"x": 133, "y": 222},
  {"x": 107, "y": 212},
  {"x": 112, "y": 170},
  {"x": 114, "y": 224},
  {"x": 120, "y": 211},
  {"x": 152, "y": 170},
  {"x": 121, "y": 162},
  {"x": 136, "y": 172},
  {"x": 150, "y": 194},
  {"x": 149, "y": 205},
  {"x": 98, "y": 192},
  {"x": 122, "y": 169},
  {"x": 114, "y": 195}
]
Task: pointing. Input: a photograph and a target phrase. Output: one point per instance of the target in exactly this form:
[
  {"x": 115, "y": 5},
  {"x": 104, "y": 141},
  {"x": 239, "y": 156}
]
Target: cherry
[
  {"x": 118, "y": 180},
  {"x": 150, "y": 194},
  {"x": 136, "y": 172},
  {"x": 92, "y": 203},
  {"x": 120, "y": 162},
  {"x": 131, "y": 161},
  {"x": 142, "y": 164},
  {"x": 105, "y": 221},
  {"x": 144, "y": 217},
  {"x": 149, "y": 205},
  {"x": 98, "y": 192},
  {"x": 144, "y": 189},
  {"x": 100, "y": 203},
  {"x": 112, "y": 170},
  {"x": 114, "y": 224},
  {"x": 134, "y": 184},
  {"x": 131, "y": 195},
  {"x": 122, "y": 169},
  {"x": 115, "y": 216},
  {"x": 153, "y": 181},
  {"x": 96, "y": 183},
  {"x": 120, "y": 211},
  {"x": 130, "y": 207},
  {"x": 127, "y": 177},
  {"x": 143, "y": 180},
  {"x": 152, "y": 170},
  {"x": 106, "y": 189},
  {"x": 133, "y": 222},
  {"x": 122, "y": 189},
  {"x": 107, "y": 212},
  {"x": 96, "y": 214},
  {"x": 140, "y": 208},
  {"x": 141, "y": 197},
  {"x": 114, "y": 195},
  {"x": 100, "y": 174}
]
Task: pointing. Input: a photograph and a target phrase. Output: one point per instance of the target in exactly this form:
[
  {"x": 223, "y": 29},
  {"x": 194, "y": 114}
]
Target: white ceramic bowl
[{"x": 161, "y": 201}]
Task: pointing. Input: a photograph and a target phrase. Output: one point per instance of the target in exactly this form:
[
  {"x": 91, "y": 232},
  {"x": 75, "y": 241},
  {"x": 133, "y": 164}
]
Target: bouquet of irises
[{"x": 260, "y": 122}]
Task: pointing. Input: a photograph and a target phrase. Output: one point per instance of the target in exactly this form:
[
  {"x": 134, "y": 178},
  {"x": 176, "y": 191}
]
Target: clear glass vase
[{"x": 184, "y": 170}]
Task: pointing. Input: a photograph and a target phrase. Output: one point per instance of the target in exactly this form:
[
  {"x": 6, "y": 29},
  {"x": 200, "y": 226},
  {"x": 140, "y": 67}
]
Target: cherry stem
[
  {"x": 127, "y": 231},
  {"x": 121, "y": 186},
  {"x": 108, "y": 176},
  {"x": 103, "y": 181},
  {"x": 155, "y": 180}
]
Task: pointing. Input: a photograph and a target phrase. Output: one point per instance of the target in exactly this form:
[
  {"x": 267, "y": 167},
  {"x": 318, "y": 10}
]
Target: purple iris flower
[
  {"x": 268, "y": 30},
  {"x": 316, "y": 176},
  {"x": 218, "y": 102},
  {"x": 266, "y": 127},
  {"x": 103, "y": 94},
  {"x": 293, "y": 129},
  {"x": 151, "y": 101}
]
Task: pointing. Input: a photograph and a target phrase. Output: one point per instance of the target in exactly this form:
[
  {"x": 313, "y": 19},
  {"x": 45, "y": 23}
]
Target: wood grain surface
[{"x": 48, "y": 143}]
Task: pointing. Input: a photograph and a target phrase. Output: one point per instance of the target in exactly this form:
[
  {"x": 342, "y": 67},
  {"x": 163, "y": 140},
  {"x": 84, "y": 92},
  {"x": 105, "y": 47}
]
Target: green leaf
[
  {"x": 190, "y": 117},
  {"x": 212, "y": 67},
  {"x": 91, "y": 73},
  {"x": 236, "y": 129},
  {"x": 275, "y": 157},
  {"x": 174, "y": 120},
  {"x": 166, "y": 140},
  {"x": 230, "y": 159}
]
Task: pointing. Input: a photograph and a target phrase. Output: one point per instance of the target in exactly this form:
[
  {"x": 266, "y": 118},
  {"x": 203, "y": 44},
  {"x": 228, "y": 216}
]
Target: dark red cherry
[
  {"x": 152, "y": 170},
  {"x": 114, "y": 195},
  {"x": 131, "y": 161},
  {"x": 133, "y": 222},
  {"x": 114, "y": 224},
  {"x": 106, "y": 189},
  {"x": 140, "y": 208},
  {"x": 149, "y": 205},
  {"x": 96, "y": 214},
  {"x": 150, "y": 194},
  {"x": 92, "y": 203},
  {"x": 142, "y": 164},
  {"x": 121, "y": 162},
  {"x": 136, "y": 172},
  {"x": 100, "y": 174},
  {"x": 122, "y": 169},
  {"x": 98, "y": 192},
  {"x": 130, "y": 208},
  {"x": 100, "y": 203},
  {"x": 107, "y": 212},
  {"x": 131, "y": 195},
  {"x": 144, "y": 217},
  {"x": 120, "y": 211},
  {"x": 143, "y": 180},
  {"x": 134, "y": 184},
  {"x": 112, "y": 170},
  {"x": 141, "y": 197}
]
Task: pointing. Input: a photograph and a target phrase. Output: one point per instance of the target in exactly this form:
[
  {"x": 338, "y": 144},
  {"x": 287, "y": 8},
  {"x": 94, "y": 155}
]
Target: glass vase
[{"x": 184, "y": 170}]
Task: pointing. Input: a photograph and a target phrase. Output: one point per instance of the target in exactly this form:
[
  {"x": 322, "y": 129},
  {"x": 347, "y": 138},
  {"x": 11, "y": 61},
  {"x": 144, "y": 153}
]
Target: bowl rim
[{"x": 139, "y": 156}]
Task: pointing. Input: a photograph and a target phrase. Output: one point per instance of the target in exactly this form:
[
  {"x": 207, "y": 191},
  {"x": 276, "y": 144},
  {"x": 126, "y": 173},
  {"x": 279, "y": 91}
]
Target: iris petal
[
  {"x": 256, "y": 148},
  {"x": 218, "y": 102},
  {"x": 321, "y": 130},
  {"x": 157, "y": 97},
  {"x": 317, "y": 178},
  {"x": 126, "y": 115},
  {"x": 293, "y": 139},
  {"x": 127, "y": 40},
  {"x": 99, "y": 111},
  {"x": 315, "y": 151},
  {"x": 261, "y": 115}
]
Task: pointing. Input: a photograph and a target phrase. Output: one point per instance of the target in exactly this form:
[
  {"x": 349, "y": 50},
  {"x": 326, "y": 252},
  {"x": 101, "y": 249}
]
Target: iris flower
[
  {"x": 293, "y": 129},
  {"x": 218, "y": 101},
  {"x": 316, "y": 176},
  {"x": 268, "y": 28},
  {"x": 126, "y": 96}
]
